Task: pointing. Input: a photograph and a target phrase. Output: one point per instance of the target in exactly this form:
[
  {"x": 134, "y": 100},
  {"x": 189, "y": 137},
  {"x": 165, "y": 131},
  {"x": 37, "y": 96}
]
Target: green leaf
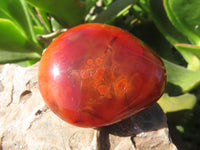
[
  {"x": 67, "y": 12},
  {"x": 55, "y": 25},
  {"x": 185, "y": 16},
  {"x": 27, "y": 63},
  {"x": 89, "y": 4},
  {"x": 13, "y": 57},
  {"x": 4, "y": 14},
  {"x": 162, "y": 22},
  {"x": 178, "y": 108},
  {"x": 113, "y": 10},
  {"x": 177, "y": 103},
  {"x": 34, "y": 16},
  {"x": 17, "y": 12},
  {"x": 180, "y": 80},
  {"x": 39, "y": 18},
  {"x": 107, "y": 2},
  {"x": 38, "y": 30},
  {"x": 44, "y": 20},
  {"x": 11, "y": 39},
  {"x": 191, "y": 54}
]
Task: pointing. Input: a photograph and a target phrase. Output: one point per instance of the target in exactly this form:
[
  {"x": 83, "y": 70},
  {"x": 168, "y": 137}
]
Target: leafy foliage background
[{"x": 170, "y": 27}]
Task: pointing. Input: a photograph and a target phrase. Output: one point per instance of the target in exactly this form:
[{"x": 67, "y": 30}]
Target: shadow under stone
[{"x": 150, "y": 119}]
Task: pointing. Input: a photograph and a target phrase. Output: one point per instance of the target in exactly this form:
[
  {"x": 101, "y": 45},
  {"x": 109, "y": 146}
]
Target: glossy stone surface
[{"x": 95, "y": 75}]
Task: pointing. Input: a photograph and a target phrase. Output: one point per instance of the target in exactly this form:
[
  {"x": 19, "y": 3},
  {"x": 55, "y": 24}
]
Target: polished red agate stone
[{"x": 95, "y": 75}]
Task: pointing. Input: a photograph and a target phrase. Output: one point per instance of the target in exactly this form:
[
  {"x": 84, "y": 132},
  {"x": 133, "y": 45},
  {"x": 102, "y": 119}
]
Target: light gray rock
[{"x": 27, "y": 124}]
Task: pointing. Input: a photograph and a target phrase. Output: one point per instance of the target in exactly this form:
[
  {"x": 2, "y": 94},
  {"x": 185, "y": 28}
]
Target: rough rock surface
[{"x": 27, "y": 124}]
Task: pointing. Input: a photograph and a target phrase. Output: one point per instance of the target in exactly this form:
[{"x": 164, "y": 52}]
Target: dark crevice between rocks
[
  {"x": 1, "y": 143},
  {"x": 133, "y": 141},
  {"x": 40, "y": 111},
  {"x": 25, "y": 96},
  {"x": 103, "y": 140},
  {"x": 38, "y": 114}
]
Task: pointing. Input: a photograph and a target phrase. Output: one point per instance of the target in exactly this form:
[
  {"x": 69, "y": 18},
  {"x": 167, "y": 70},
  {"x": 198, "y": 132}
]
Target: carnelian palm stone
[{"x": 95, "y": 75}]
